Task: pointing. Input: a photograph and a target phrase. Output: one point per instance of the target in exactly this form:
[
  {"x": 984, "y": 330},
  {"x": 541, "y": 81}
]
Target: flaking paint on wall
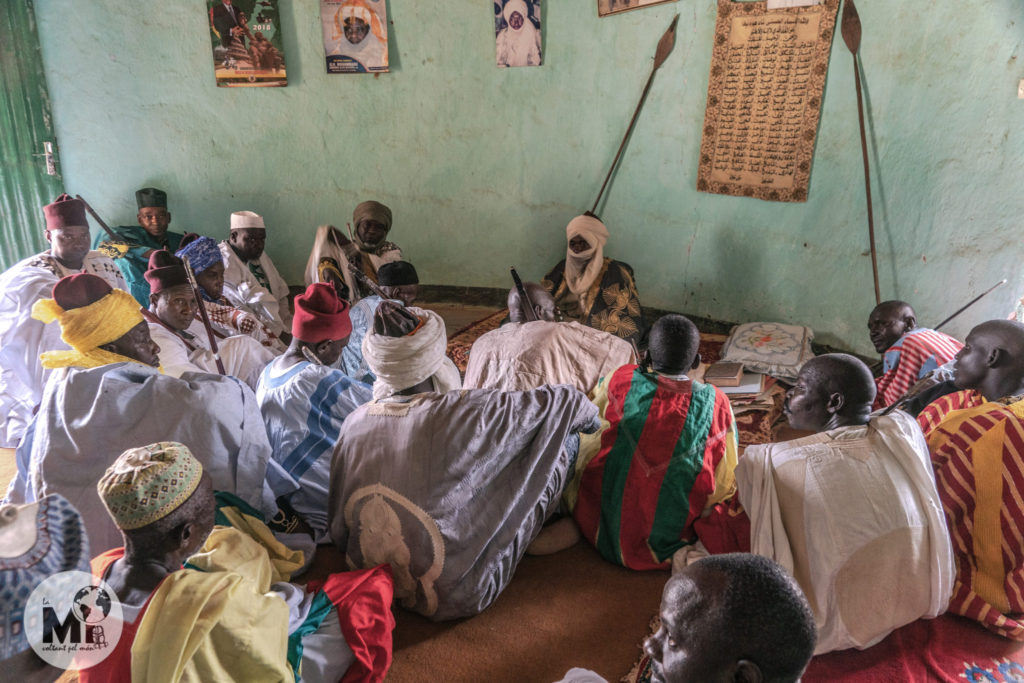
[{"x": 483, "y": 166}]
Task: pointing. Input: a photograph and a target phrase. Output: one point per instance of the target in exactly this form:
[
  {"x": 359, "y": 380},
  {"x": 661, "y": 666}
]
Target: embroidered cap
[{"x": 146, "y": 484}]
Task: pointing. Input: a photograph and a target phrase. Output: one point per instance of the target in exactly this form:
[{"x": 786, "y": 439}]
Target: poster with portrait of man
[
  {"x": 517, "y": 32},
  {"x": 606, "y": 7},
  {"x": 247, "y": 46},
  {"x": 355, "y": 35}
]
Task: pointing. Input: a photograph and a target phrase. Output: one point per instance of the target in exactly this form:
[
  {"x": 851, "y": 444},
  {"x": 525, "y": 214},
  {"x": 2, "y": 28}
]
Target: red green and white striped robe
[
  {"x": 667, "y": 452},
  {"x": 913, "y": 356},
  {"x": 977, "y": 450}
]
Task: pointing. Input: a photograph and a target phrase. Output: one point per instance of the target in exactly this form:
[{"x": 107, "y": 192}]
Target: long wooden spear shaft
[
  {"x": 851, "y": 36},
  {"x": 665, "y": 45}
]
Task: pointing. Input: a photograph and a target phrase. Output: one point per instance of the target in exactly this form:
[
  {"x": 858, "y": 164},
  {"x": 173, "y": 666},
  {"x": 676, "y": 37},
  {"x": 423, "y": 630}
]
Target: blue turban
[{"x": 201, "y": 252}]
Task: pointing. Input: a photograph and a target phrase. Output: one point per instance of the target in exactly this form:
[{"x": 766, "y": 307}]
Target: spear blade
[
  {"x": 665, "y": 45},
  {"x": 851, "y": 26}
]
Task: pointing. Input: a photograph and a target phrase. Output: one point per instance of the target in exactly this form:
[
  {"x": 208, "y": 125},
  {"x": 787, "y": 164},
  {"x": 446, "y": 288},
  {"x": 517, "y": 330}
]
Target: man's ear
[
  {"x": 836, "y": 401},
  {"x": 995, "y": 357},
  {"x": 696, "y": 362},
  {"x": 152, "y": 300},
  {"x": 184, "y": 534},
  {"x": 909, "y": 322},
  {"x": 46, "y": 234},
  {"x": 168, "y": 218},
  {"x": 747, "y": 672},
  {"x": 321, "y": 347}
]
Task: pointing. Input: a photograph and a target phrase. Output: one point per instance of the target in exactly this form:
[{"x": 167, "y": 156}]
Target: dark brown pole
[
  {"x": 96, "y": 217},
  {"x": 204, "y": 315}
]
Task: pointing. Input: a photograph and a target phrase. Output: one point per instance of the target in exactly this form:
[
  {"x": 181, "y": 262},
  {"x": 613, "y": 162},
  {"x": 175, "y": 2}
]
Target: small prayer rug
[{"x": 459, "y": 343}]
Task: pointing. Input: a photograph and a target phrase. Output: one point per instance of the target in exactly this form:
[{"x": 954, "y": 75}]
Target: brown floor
[{"x": 458, "y": 316}]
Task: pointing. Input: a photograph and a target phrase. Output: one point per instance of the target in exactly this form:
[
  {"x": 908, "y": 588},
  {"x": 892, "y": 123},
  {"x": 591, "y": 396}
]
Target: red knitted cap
[
  {"x": 320, "y": 315},
  {"x": 80, "y": 290},
  {"x": 65, "y": 211}
]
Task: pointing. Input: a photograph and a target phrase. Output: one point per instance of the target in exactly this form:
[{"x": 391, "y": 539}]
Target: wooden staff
[
  {"x": 363, "y": 280},
  {"x": 524, "y": 298},
  {"x": 851, "y": 36},
  {"x": 665, "y": 45},
  {"x": 99, "y": 221},
  {"x": 202, "y": 313}
]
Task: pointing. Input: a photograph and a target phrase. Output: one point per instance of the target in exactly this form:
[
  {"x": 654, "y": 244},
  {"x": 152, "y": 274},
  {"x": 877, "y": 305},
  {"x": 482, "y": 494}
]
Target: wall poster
[
  {"x": 768, "y": 71},
  {"x": 517, "y": 39},
  {"x": 247, "y": 46},
  {"x": 606, "y": 7},
  {"x": 355, "y": 35}
]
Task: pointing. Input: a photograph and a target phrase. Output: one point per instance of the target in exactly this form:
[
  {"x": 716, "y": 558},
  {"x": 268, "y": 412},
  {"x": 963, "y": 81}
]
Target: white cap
[{"x": 240, "y": 220}]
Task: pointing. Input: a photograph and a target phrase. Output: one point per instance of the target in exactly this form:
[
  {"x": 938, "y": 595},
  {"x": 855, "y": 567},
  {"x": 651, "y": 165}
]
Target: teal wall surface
[{"x": 483, "y": 166}]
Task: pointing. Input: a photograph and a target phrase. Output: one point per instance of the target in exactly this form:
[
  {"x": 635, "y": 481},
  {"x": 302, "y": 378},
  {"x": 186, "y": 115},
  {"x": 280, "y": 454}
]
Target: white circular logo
[{"x": 73, "y": 620}]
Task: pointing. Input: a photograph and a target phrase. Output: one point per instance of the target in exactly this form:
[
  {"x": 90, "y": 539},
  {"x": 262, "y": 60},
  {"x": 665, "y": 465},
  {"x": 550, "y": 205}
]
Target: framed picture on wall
[
  {"x": 247, "y": 46},
  {"x": 606, "y": 7},
  {"x": 517, "y": 38},
  {"x": 355, "y": 35}
]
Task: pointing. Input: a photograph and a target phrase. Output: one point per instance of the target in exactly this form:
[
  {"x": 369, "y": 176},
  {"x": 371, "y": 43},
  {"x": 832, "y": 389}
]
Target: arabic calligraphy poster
[
  {"x": 355, "y": 35},
  {"x": 517, "y": 39},
  {"x": 247, "y": 46},
  {"x": 768, "y": 71}
]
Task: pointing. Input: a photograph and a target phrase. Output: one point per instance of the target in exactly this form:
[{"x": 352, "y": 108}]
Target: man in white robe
[
  {"x": 184, "y": 341},
  {"x": 852, "y": 512},
  {"x": 518, "y": 44},
  {"x": 23, "y": 338},
  {"x": 305, "y": 401},
  {"x": 525, "y": 355},
  {"x": 111, "y": 396},
  {"x": 251, "y": 282}
]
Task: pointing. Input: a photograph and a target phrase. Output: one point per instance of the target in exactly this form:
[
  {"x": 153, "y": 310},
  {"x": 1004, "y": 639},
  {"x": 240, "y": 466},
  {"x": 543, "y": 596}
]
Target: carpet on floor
[{"x": 948, "y": 649}]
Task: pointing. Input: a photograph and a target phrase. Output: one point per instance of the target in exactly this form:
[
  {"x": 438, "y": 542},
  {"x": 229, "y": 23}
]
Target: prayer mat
[
  {"x": 950, "y": 649},
  {"x": 459, "y": 343}
]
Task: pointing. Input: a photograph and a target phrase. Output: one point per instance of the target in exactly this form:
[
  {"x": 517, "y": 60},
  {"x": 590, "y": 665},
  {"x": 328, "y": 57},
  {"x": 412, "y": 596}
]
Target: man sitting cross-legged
[
  {"x": 204, "y": 257},
  {"x": 184, "y": 342},
  {"x": 976, "y": 439},
  {"x": 450, "y": 488},
  {"x": 851, "y": 512},
  {"x": 229, "y": 614},
  {"x": 109, "y": 396},
  {"x": 666, "y": 453},
  {"x": 305, "y": 401},
  {"x": 908, "y": 352},
  {"x": 406, "y": 348},
  {"x": 524, "y": 355},
  {"x": 735, "y": 618}
]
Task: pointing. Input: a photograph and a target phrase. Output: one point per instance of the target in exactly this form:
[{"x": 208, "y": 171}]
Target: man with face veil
[
  {"x": 518, "y": 43},
  {"x": 368, "y": 250},
  {"x": 592, "y": 289}
]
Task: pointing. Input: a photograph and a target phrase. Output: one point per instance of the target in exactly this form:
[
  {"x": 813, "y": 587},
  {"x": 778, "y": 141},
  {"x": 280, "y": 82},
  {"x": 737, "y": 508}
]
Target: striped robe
[
  {"x": 917, "y": 353},
  {"x": 667, "y": 452},
  {"x": 977, "y": 450}
]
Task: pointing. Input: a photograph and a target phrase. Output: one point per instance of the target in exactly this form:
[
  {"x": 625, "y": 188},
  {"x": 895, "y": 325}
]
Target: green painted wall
[{"x": 484, "y": 166}]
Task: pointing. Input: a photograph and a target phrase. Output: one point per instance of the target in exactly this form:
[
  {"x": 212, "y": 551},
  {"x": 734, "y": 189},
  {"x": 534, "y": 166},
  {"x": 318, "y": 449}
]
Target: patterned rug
[
  {"x": 754, "y": 426},
  {"x": 949, "y": 649}
]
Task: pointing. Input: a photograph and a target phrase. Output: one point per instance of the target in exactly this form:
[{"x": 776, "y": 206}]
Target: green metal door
[{"x": 26, "y": 125}]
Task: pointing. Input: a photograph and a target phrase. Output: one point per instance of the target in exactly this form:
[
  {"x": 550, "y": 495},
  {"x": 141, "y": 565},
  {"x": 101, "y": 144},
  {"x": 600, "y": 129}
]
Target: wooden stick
[
  {"x": 971, "y": 303},
  {"x": 99, "y": 221},
  {"x": 203, "y": 314},
  {"x": 665, "y": 45}
]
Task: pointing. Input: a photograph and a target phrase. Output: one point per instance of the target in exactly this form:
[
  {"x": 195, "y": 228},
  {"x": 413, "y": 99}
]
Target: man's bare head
[
  {"x": 543, "y": 303},
  {"x": 833, "y": 390},
  {"x": 992, "y": 359},
  {"x": 674, "y": 344},
  {"x": 889, "y": 321}
]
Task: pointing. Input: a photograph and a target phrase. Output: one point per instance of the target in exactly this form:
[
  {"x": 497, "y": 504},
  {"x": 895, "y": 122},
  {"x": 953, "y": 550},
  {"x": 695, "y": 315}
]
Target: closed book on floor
[{"x": 724, "y": 374}]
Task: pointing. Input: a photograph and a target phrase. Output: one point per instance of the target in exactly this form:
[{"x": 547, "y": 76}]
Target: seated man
[
  {"x": 204, "y": 256},
  {"x": 37, "y": 540},
  {"x": 183, "y": 339},
  {"x": 398, "y": 281},
  {"x": 851, "y": 512},
  {"x": 524, "y": 355},
  {"x": 135, "y": 243},
  {"x": 368, "y": 250},
  {"x": 251, "y": 282},
  {"x": 592, "y": 289},
  {"x": 908, "y": 352},
  {"x": 406, "y": 350},
  {"x": 737, "y": 617},
  {"x": 305, "y": 401},
  {"x": 665, "y": 454},
  {"x": 111, "y": 396},
  {"x": 450, "y": 489},
  {"x": 229, "y": 613},
  {"x": 976, "y": 439},
  {"x": 22, "y": 337}
]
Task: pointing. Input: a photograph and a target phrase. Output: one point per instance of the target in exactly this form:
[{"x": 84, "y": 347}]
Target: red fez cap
[
  {"x": 64, "y": 212},
  {"x": 320, "y": 315},
  {"x": 80, "y": 290},
  {"x": 165, "y": 271}
]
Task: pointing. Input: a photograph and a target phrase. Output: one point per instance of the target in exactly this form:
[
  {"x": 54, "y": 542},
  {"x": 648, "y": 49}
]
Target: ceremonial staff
[
  {"x": 524, "y": 298},
  {"x": 665, "y": 45},
  {"x": 202, "y": 312},
  {"x": 99, "y": 221},
  {"x": 367, "y": 282},
  {"x": 851, "y": 36}
]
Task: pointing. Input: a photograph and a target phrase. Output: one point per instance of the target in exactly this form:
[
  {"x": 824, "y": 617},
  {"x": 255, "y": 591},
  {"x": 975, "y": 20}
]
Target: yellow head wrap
[{"x": 87, "y": 328}]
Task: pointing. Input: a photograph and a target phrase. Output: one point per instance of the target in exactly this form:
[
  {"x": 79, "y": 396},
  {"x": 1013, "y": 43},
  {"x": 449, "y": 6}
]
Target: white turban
[
  {"x": 241, "y": 220},
  {"x": 403, "y": 362},
  {"x": 515, "y": 6},
  {"x": 583, "y": 268}
]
